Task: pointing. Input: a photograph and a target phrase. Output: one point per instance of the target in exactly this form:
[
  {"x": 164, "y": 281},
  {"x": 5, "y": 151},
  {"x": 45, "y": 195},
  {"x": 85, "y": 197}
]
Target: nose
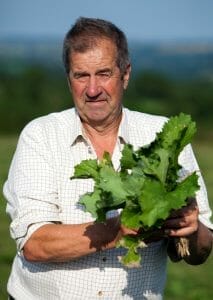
[{"x": 93, "y": 87}]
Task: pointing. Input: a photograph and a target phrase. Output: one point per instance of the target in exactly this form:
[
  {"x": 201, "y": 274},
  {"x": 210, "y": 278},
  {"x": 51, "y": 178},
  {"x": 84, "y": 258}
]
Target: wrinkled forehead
[
  {"x": 101, "y": 49},
  {"x": 87, "y": 42}
]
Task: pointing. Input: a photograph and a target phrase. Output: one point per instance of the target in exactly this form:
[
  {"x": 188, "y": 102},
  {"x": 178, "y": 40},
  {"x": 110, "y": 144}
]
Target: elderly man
[{"x": 56, "y": 258}]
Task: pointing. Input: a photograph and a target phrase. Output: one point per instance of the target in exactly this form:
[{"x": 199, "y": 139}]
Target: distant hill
[
  {"x": 17, "y": 54},
  {"x": 177, "y": 59},
  {"x": 184, "y": 60}
]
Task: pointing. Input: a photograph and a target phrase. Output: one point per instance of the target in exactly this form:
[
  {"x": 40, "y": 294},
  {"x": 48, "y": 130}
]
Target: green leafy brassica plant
[{"x": 147, "y": 187}]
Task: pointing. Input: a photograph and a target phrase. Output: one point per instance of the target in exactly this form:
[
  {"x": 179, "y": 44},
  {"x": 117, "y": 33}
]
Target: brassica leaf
[{"x": 147, "y": 187}]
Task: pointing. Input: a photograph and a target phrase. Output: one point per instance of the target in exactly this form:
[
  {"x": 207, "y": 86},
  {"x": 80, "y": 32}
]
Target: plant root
[{"x": 182, "y": 245}]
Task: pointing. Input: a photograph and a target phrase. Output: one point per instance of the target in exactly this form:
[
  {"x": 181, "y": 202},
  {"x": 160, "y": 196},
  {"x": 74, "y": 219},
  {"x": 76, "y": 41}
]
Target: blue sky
[{"x": 140, "y": 19}]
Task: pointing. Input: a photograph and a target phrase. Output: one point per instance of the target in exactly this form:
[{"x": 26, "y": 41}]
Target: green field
[
  {"x": 7, "y": 246},
  {"x": 184, "y": 281}
]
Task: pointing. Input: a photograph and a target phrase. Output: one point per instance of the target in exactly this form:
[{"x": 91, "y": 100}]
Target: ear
[
  {"x": 69, "y": 83},
  {"x": 126, "y": 76}
]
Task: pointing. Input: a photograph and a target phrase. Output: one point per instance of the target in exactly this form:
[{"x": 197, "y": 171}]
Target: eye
[
  {"x": 105, "y": 74},
  {"x": 81, "y": 76}
]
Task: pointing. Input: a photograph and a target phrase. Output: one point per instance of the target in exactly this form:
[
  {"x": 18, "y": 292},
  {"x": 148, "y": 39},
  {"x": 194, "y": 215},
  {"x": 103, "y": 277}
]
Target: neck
[
  {"x": 103, "y": 138},
  {"x": 102, "y": 128}
]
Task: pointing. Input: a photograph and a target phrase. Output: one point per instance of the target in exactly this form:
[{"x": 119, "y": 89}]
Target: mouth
[
  {"x": 97, "y": 104},
  {"x": 95, "y": 101}
]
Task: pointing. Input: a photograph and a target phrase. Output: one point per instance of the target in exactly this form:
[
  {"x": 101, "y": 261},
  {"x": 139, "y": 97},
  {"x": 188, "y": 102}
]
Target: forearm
[
  {"x": 61, "y": 242},
  {"x": 200, "y": 245}
]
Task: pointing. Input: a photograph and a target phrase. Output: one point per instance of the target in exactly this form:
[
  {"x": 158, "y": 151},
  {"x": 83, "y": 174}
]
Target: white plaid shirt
[{"x": 39, "y": 191}]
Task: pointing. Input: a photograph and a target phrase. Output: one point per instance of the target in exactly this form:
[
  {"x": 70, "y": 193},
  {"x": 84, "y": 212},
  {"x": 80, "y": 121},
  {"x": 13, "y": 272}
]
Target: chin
[{"x": 97, "y": 119}]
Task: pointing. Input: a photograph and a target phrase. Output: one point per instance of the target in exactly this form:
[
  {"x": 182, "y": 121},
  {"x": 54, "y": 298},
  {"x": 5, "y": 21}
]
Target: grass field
[
  {"x": 7, "y": 246},
  {"x": 184, "y": 282}
]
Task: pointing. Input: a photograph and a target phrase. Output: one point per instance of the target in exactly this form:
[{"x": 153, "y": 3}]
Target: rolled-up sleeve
[{"x": 31, "y": 187}]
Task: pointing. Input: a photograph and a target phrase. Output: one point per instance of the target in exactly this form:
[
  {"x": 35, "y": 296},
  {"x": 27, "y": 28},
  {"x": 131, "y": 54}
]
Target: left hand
[{"x": 183, "y": 222}]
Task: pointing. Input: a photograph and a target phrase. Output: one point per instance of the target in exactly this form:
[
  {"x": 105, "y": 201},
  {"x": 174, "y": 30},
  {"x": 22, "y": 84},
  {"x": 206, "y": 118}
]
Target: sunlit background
[{"x": 171, "y": 50}]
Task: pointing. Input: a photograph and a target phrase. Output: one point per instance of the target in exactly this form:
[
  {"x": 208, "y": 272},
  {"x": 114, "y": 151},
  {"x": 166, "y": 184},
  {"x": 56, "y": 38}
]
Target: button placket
[{"x": 89, "y": 149}]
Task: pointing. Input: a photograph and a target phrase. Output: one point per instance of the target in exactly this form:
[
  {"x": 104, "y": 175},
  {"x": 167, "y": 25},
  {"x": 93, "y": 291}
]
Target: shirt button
[
  {"x": 104, "y": 258},
  {"x": 100, "y": 293},
  {"x": 89, "y": 150}
]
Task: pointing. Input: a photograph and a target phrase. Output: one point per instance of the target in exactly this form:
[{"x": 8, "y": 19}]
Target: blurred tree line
[{"x": 37, "y": 91}]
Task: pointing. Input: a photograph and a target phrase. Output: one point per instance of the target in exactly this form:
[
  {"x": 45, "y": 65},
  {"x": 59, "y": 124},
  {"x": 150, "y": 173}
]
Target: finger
[
  {"x": 176, "y": 223},
  {"x": 186, "y": 221},
  {"x": 182, "y": 232},
  {"x": 128, "y": 231}
]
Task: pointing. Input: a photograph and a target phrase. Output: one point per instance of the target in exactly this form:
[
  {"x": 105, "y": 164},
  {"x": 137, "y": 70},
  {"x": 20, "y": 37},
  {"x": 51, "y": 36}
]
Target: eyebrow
[
  {"x": 104, "y": 70},
  {"x": 80, "y": 73}
]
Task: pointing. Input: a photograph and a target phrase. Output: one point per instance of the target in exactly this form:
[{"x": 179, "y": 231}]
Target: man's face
[{"x": 97, "y": 84}]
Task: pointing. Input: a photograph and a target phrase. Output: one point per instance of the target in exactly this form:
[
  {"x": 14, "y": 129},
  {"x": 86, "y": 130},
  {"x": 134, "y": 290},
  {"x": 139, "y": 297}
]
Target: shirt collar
[
  {"x": 123, "y": 131},
  {"x": 76, "y": 132}
]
